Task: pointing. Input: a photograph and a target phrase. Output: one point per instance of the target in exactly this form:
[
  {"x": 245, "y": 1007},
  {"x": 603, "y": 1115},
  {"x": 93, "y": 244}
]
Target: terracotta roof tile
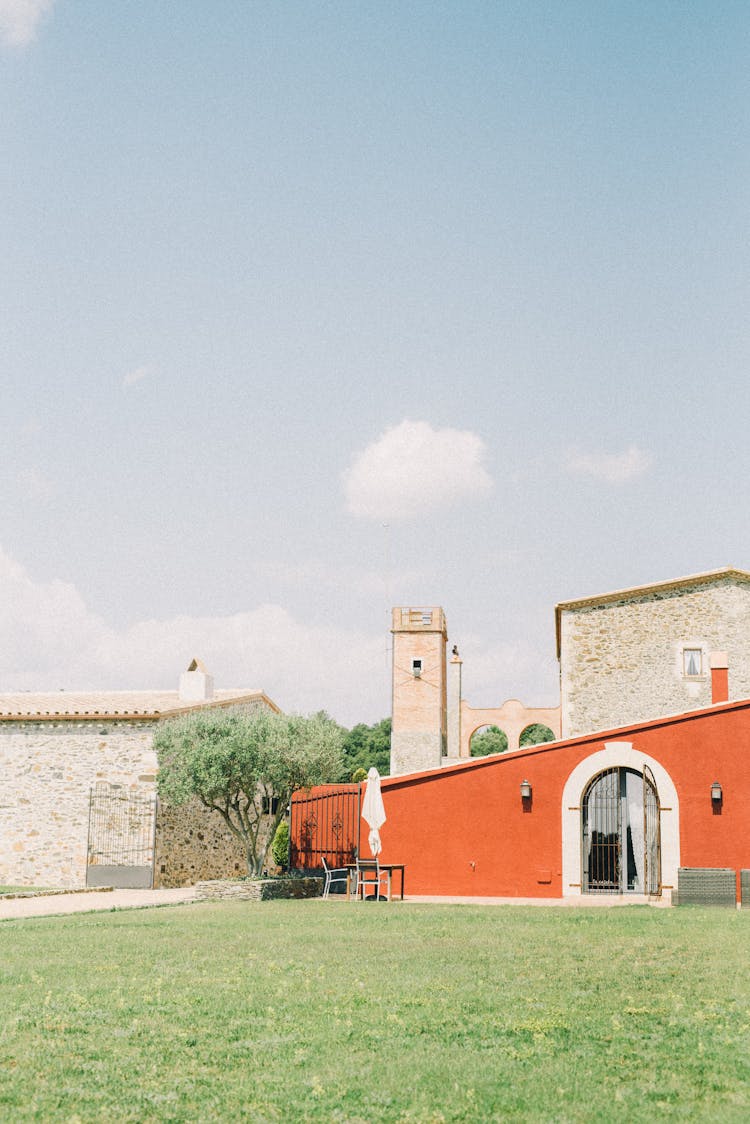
[{"x": 112, "y": 704}]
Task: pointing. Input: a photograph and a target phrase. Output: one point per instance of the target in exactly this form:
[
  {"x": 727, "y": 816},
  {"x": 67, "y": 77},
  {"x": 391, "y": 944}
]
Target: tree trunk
[{"x": 254, "y": 865}]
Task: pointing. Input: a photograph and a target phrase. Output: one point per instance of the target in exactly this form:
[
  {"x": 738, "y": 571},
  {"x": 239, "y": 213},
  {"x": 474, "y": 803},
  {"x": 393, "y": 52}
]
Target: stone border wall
[{"x": 258, "y": 890}]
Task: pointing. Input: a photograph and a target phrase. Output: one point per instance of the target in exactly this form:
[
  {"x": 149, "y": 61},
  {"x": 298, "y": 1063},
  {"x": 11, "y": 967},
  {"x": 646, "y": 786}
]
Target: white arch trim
[{"x": 623, "y": 755}]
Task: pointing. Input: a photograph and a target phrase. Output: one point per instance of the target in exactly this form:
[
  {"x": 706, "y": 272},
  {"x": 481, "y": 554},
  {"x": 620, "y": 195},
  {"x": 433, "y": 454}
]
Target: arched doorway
[{"x": 620, "y": 836}]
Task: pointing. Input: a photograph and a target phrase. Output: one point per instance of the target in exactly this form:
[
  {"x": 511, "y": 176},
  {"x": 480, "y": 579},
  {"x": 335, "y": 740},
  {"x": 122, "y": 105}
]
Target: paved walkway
[
  {"x": 46, "y": 904},
  {"x": 50, "y": 904}
]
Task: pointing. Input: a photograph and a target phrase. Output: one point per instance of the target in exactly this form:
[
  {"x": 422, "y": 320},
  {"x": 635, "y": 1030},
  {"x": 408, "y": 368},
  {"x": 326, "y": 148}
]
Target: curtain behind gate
[{"x": 634, "y": 797}]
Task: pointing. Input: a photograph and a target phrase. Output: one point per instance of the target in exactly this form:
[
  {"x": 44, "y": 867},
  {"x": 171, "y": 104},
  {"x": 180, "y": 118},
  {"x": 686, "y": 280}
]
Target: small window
[
  {"x": 416, "y": 668},
  {"x": 692, "y": 662},
  {"x": 269, "y": 807}
]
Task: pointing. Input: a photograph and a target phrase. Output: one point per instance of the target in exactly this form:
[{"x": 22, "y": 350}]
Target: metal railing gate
[
  {"x": 121, "y": 837},
  {"x": 324, "y": 821}
]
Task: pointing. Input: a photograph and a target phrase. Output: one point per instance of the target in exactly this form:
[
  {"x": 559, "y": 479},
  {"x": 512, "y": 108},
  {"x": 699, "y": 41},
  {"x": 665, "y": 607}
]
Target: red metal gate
[{"x": 324, "y": 822}]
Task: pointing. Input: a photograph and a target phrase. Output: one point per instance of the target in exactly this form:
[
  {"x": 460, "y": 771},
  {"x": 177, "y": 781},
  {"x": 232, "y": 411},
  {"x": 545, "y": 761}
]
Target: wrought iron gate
[
  {"x": 621, "y": 843},
  {"x": 122, "y": 827},
  {"x": 324, "y": 822}
]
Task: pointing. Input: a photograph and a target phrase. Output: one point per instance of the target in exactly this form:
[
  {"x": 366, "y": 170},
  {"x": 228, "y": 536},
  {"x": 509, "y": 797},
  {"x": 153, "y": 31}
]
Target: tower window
[
  {"x": 416, "y": 668},
  {"x": 692, "y": 662}
]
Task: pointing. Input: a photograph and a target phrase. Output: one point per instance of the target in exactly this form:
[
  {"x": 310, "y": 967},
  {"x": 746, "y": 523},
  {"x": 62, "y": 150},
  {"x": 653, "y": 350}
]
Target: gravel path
[{"x": 93, "y": 900}]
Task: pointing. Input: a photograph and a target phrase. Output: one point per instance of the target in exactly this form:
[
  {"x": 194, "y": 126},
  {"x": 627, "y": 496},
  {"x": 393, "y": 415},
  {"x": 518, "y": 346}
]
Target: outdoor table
[{"x": 367, "y": 864}]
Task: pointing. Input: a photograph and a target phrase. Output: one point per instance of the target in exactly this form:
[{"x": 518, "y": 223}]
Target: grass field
[
  {"x": 20, "y": 889},
  {"x": 330, "y": 1011}
]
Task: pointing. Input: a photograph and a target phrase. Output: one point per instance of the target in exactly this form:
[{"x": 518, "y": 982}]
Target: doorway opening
[{"x": 620, "y": 833}]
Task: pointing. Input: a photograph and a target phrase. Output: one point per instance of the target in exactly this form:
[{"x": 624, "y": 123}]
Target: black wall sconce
[
  {"x": 716, "y": 793},
  {"x": 525, "y": 790}
]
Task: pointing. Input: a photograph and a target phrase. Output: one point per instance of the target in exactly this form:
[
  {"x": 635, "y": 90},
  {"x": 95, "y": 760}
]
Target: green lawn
[
  {"x": 20, "y": 889},
  {"x": 330, "y": 1011}
]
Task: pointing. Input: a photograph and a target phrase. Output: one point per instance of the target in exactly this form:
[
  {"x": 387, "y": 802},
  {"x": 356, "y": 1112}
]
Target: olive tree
[{"x": 245, "y": 766}]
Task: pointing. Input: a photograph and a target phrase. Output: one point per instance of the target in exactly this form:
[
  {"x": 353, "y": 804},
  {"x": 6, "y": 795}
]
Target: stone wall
[
  {"x": 193, "y": 844},
  {"x": 621, "y": 662},
  {"x": 47, "y": 770},
  {"x": 259, "y": 890},
  {"x": 414, "y": 751}
]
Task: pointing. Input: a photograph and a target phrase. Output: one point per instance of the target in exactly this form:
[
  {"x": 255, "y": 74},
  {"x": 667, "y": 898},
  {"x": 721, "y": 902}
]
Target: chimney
[
  {"x": 719, "y": 677},
  {"x": 196, "y": 685}
]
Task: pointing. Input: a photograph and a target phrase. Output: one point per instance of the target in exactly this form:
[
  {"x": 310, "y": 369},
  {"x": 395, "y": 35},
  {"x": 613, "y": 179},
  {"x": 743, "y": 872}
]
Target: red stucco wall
[{"x": 465, "y": 831}]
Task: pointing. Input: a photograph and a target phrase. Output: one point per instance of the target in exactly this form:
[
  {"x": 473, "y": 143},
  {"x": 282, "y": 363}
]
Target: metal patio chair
[
  {"x": 369, "y": 878},
  {"x": 333, "y": 875}
]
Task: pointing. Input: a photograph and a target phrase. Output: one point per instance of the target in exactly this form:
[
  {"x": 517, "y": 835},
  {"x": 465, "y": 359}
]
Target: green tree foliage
[
  {"x": 239, "y": 764},
  {"x": 536, "y": 734},
  {"x": 365, "y": 746},
  {"x": 491, "y": 739}
]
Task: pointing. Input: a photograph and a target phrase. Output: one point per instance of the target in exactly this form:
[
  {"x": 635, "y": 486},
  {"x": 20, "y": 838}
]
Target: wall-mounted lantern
[
  {"x": 525, "y": 790},
  {"x": 716, "y": 794}
]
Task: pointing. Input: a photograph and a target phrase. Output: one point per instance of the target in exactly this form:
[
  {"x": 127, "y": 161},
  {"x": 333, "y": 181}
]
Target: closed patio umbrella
[{"x": 373, "y": 811}]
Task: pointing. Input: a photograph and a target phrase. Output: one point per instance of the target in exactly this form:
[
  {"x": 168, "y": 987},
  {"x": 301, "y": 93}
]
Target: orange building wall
[{"x": 465, "y": 831}]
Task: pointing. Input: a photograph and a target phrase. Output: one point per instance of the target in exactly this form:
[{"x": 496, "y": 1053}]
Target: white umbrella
[{"x": 373, "y": 811}]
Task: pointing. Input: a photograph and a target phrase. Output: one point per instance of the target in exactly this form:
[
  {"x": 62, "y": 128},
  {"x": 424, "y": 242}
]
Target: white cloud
[
  {"x": 50, "y": 640},
  {"x": 614, "y": 468},
  {"x": 35, "y": 485},
  {"x": 413, "y": 469},
  {"x": 20, "y": 19},
  {"x": 136, "y": 375}
]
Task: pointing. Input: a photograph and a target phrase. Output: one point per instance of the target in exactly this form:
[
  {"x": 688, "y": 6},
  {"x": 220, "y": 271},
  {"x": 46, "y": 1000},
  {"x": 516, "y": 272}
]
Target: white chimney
[{"x": 196, "y": 685}]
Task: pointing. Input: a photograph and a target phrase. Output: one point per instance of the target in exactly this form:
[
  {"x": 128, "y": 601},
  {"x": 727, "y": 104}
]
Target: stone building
[
  {"x": 635, "y": 654},
  {"x": 626, "y": 656},
  {"x": 78, "y": 797}
]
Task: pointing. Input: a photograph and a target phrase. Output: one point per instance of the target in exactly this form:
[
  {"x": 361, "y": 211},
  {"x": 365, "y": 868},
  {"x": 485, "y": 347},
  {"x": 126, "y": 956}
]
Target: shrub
[{"x": 280, "y": 845}]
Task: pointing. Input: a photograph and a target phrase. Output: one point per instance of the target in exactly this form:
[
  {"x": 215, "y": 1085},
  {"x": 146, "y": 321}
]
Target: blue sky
[{"x": 310, "y": 309}]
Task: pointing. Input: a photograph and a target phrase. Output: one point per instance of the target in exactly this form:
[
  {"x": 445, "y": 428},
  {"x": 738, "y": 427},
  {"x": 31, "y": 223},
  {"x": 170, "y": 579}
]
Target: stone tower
[{"x": 419, "y": 709}]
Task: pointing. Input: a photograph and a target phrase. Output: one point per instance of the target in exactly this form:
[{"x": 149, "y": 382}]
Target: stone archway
[
  {"x": 536, "y": 733},
  {"x": 512, "y": 718},
  {"x": 616, "y": 755},
  {"x": 486, "y": 740}
]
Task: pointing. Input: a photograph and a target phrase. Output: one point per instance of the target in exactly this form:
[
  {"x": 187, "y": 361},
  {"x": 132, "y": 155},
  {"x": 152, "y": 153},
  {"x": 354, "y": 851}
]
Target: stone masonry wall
[
  {"x": 46, "y": 773},
  {"x": 622, "y": 662},
  {"x": 193, "y": 844},
  {"x": 412, "y": 752}
]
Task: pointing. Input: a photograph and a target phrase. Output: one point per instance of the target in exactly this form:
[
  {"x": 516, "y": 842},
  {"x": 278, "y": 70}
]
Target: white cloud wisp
[
  {"x": 51, "y": 641},
  {"x": 414, "y": 470},
  {"x": 135, "y": 376},
  {"x": 613, "y": 468},
  {"x": 20, "y": 19}
]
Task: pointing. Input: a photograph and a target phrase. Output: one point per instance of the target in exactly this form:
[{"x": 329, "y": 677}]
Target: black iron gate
[
  {"x": 620, "y": 839},
  {"x": 122, "y": 826},
  {"x": 324, "y": 822}
]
